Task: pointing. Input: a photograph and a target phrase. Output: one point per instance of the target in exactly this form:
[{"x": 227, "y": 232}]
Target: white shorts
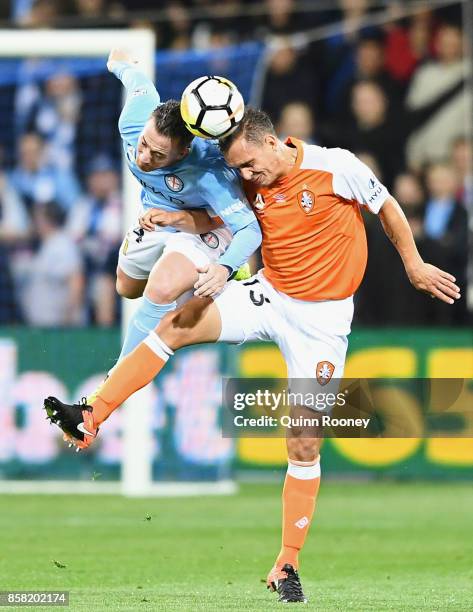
[
  {"x": 312, "y": 336},
  {"x": 140, "y": 250}
]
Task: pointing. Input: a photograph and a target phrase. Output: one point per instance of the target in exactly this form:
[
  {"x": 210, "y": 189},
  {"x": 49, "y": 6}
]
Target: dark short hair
[
  {"x": 53, "y": 213},
  {"x": 254, "y": 126},
  {"x": 168, "y": 122}
]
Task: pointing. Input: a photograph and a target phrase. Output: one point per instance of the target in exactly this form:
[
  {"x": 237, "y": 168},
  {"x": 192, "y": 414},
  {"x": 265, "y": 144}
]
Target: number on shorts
[{"x": 258, "y": 300}]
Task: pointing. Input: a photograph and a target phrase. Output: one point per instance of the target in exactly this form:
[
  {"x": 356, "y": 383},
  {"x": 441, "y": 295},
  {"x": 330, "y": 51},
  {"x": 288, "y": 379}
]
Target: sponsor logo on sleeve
[
  {"x": 376, "y": 190},
  {"x": 232, "y": 208},
  {"x": 141, "y": 91}
]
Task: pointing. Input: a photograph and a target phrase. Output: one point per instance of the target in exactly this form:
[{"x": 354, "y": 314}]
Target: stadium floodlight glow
[{"x": 136, "y": 477}]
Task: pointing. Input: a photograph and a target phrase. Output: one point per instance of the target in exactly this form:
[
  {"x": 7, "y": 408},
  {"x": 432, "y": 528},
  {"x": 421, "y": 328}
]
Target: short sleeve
[{"x": 353, "y": 180}]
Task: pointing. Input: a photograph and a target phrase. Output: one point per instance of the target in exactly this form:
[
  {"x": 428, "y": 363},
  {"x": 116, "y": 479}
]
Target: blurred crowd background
[{"x": 394, "y": 93}]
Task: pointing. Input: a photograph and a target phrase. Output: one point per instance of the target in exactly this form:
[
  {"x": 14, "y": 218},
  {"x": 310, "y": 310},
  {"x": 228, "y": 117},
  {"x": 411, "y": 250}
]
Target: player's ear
[
  {"x": 271, "y": 140},
  {"x": 184, "y": 151}
]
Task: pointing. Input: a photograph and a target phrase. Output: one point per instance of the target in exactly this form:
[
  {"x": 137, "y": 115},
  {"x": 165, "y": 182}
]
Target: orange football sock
[
  {"x": 299, "y": 494},
  {"x": 133, "y": 372}
]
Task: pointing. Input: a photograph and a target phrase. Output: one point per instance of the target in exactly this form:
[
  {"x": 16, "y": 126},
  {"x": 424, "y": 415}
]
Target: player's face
[
  {"x": 257, "y": 163},
  {"x": 157, "y": 151}
]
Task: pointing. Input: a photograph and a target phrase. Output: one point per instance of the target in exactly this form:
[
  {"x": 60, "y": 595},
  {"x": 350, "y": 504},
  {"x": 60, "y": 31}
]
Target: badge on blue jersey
[{"x": 173, "y": 182}]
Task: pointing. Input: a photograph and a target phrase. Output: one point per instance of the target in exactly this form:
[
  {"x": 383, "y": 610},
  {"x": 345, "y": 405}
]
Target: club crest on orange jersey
[
  {"x": 306, "y": 200},
  {"x": 259, "y": 202},
  {"x": 324, "y": 372}
]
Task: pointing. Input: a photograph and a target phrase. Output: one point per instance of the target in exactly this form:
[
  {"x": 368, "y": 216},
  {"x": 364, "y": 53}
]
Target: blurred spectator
[
  {"x": 230, "y": 27},
  {"x": 371, "y": 162},
  {"x": 280, "y": 19},
  {"x": 37, "y": 181},
  {"x": 14, "y": 218},
  {"x": 54, "y": 117},
  {"x": 95, "y": 223},
  {"x": 379, "y": 131},
  {"x": 375, "y": 131},
  {"x": 369, "y": 65},
  {"x": 9, "y": 311},
  {"x": 462, "y": 161},
  {"x": 409, "y": 193},
  {"x": 52, "y": 285},
  {"x": 20, "y": 9},
  {"x": 175, "y": 32},
  {"x": 42, "y": 14},
  {"x": 385, "y": 274},
  {"x": 338, "y": 64},
  {"x": 14, "y": 227},
  {"x": 107, "y": 304},
  {"x": 97, "y": 12},
  {"x": 432, "y": 141},
  {"x": 407, "y": 46},
  {"x": 297, "y": 120},
  {"x": 289, "y": 78},
  {"x": 446, "y": 234}
]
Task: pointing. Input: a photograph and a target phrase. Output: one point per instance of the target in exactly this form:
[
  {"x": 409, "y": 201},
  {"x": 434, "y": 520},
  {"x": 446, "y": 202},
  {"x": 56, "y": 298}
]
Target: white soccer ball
[{"x": 212, "y": 107}]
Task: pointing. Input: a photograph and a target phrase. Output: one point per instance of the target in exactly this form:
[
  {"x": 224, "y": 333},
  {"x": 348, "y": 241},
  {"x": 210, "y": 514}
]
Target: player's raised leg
[
  {"x": 195, "y": 322},
  {"x": 171, "y": 276}
]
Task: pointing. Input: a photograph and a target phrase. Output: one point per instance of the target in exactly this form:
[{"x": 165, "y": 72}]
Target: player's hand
[
  {"x": 437, "y": 283},
  {"x": 119, "y": 55},
  {"x": 156, "y": 216},
  {"x": 212, "y": 279}
]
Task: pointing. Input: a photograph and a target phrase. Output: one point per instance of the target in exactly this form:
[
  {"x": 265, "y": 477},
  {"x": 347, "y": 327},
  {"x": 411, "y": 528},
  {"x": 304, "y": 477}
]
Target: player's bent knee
[
  {"x": 303, "y": 449},
  {"x": 129, "y": 287},
  {"x": 181, "y": 327},
  {"x": 126, "y": 291},
  {"x": 164, "y": 293},
  {"x": 173, "y": 335}
]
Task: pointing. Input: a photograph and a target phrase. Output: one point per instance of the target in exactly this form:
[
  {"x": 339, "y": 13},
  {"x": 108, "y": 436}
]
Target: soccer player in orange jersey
[{"x": 308, "y": 202}]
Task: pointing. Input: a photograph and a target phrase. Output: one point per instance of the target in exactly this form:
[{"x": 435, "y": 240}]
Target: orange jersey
[{"x": 314, "y": 243}]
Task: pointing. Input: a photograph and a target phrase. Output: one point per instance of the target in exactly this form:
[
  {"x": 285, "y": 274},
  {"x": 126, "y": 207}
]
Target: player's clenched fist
[
  {"x": 155, "y": 216},
  {"x": 436, "y": 282},
  {"x": 212, "y": 279},
  {"x": 119, "y": 55}
]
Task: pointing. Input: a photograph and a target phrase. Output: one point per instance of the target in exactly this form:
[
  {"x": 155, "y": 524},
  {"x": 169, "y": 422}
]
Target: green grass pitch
[{"x": 371, "y": 547}]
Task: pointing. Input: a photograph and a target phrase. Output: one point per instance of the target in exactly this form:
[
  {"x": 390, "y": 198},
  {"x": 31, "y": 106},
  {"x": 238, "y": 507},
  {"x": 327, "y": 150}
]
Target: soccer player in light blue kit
[{"x": 177, "y": 173}]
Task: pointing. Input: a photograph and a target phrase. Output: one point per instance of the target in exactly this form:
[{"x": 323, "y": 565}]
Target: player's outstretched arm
[
  {"x": 423, "y": 276},
  {"x": 141, "y": 94},
  {"x": 119, "y": 55},
  {"x": 190, "y": 221}
]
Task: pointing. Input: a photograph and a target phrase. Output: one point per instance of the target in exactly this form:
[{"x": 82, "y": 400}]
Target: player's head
[
  {"x": 164, "y": 140},
  {"x": 254, "y": 149}
]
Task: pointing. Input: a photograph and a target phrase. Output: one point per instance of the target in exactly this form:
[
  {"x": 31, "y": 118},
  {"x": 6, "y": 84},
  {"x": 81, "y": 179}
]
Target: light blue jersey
[{"x": 202, "y": 179}]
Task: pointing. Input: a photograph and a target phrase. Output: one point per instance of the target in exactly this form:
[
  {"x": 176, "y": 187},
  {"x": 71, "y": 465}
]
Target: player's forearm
[
  {"x": 195, "y": 221},
  {"x": 397, "y": 229},
  {"x": 243, "y": 245}
]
